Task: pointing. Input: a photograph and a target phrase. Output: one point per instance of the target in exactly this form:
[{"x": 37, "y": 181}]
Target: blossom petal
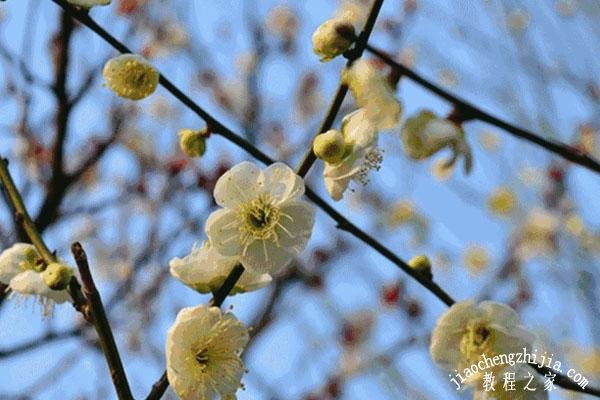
[
  {"x": 223, "y": 230},
  {"x": 263, "y": 256},
  {"x": 238, "y": 185},
  {"x": 296, "y": 225},
  {"x": 283, "y": 183},
  {"x": 10, "y": 260}
]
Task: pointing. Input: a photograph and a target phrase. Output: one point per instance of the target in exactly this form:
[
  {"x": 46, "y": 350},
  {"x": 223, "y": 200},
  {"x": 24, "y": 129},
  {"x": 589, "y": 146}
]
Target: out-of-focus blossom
[
  {"x": 282, "y": 22},
  {"x": 425, "y": 134},
  {"x": 518, "y": 20},
  {"x": 203, "y": 351},
  {"x": 205, "y": 270},
  {"x": 502, "y": 201},
  {"x": 447, "y": 78},
  {"x": 357, "y": 328},
  {"x": 476, "y": 259},
  {"x": 441, "y": 170},
  {"x": 537, "y": 235},
  {"x": 490, "y": 141},
  {"x": 466, "y": 331},
  {"x": 165, "y": 37},
  {"x": 263, "y": 222},
  {"x": 353, "y": 11},
  {"x": 566, "y": 8},
  {"x": 401, "y": 213},
  {"x": 408, "y": 57}
]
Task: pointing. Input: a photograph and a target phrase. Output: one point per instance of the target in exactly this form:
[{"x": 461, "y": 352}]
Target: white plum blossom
[
  {"x": 361, "y": 157},
  {"x": 425, "y": 134},
  {"x": 203, "y": 351},
  {"x": 205, "y": 270},
  {"x": 23, "y": 274},
  {"x": 374, "y": 93},
  {"x": 466, "y": 331},
  {"x": 263, "y": 222}
]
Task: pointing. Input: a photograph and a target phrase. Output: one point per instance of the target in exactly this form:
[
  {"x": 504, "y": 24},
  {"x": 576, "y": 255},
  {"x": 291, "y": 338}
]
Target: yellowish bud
[
  {"x": 330, "y": 146},
  {"x": 422, "y": 265},
  {"x": 331, "y": 38},
  {"x": 89, "y": 3},
  {"x": 57, "y": 276},
  {"x": 192, "y": 143},
  {"x": 131, "y": 76}
]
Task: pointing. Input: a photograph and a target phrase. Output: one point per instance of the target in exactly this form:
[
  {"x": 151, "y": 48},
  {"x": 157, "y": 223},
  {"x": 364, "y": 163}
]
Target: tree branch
[
  {"x": 334, "y": 108},
  {"x": 468, "y": 111},
  {"x": 91, "y": 307},
  {"x": 219, "y": 128},
  {"x": 98, "y": 318}
]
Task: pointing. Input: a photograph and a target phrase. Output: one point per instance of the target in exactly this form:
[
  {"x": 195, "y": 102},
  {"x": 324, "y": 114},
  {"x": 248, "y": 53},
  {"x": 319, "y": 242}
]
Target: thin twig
[
  {"x": 219, "y": 128},
  {"x": 98, "y": 317},
  {"x": 91, "y": 307},
  {"x": 21, "y": 215},
  {"x": 334, "y": 108}
]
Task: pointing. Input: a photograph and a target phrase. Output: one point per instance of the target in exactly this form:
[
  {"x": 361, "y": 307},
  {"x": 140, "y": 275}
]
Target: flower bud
[
  {"x": 131, "y": 76},
  {"x": 422, "y": 265},
  {"x": 330, "y": 146},
  {"x": 192, "y": 143},
  {"x": 331, "y": 39},
  {"x": 89, "y": 3},
  {"x": 57, "y": 276}
]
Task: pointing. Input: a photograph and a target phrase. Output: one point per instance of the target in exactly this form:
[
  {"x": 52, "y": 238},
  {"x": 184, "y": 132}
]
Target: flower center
[
  {"x": 202, "y": 357},
  {"x": 260, "y": 218},
  {"x": 477, "y": 339}
]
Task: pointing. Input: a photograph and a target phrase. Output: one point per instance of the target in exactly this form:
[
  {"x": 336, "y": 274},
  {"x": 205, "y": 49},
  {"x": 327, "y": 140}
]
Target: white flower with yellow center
[
  {"x": 263, "y": 222},
  {"x": 22, "y": 270},
  {"x": 203, "y": 354},
  {"x": 205, "y": 270},
  {"x": 425, "y": 134},
  {"x": 89, "y": 3},
  {"x": 362, "y": 155},
  {"x": 466, "y": 331},
  {"x": 373, "y": 92}
]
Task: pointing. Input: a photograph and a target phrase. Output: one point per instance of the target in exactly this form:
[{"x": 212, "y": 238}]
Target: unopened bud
[
  {"x": 332, "y": 38},
  {"x": 192, "y": 143},
  {"x": 330, "y": 146},
  {"x": 422, "y": 265},
  {"x": 131, "y": 76},
  {"x": 57, "y": 276},
  {"x": 89, "y": 3}
]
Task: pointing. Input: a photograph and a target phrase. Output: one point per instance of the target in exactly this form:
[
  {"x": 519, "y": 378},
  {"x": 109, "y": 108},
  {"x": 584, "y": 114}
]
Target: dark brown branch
[
  {"x": 95, "y": 311},
  {"x": 334, "y": 108},
  {"x": 468, "y": 111},
  {"x": 57, "y": 185},
  {"x": 219, "y": 128}
]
